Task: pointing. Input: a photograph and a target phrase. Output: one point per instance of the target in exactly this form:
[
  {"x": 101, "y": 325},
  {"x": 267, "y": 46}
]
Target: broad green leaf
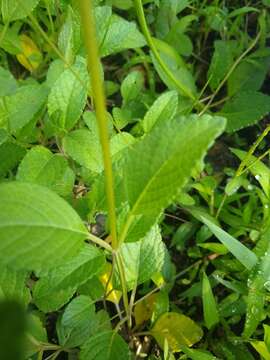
[
  {"x": 11, "y": 39},
  {"x": 77, "y": 322},
  {"x": 210, "y": 311},
  {"x": 38, "y": 229},
  {"x": 143, "y": 258},
  {"x": 13, "y": 285},
  {"x": 42, "y": 167},
  {"x": 152, "y": 179},
  {"x": 259, "y": 170},
  {"x": 17, "y": 9},
  {"x": 177, "y": 329},
  {"x": 68, "y": 95},
  {"x": 57, "y": 286},
  {"x": 8, "y": 83},
  {"x": 163, "y": 109},
  {"x": 84, "y": 147},
  {"x": 120, "y": 35},
  {"x": 249, "y": 74},
  {"x": 23, "y": 106},
  {"x": 245, "y": 109},
  {"x": 221, "y": 62},
  {"x": 105, "y": 346}
]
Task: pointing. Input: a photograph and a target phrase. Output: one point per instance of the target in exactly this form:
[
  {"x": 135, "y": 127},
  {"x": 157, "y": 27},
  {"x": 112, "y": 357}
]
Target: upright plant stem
[{"x": 88, "y": 25}]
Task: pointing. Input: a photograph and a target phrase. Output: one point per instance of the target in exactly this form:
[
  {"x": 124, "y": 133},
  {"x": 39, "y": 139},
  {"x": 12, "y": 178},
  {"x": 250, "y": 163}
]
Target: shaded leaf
[
  {"x": 76, "y": 323},
  {"x": 245, "y": 109},
  {"x": 57, "y": 286}
]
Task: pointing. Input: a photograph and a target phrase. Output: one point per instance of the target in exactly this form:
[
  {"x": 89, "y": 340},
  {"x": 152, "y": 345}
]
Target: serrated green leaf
[
  {"x": 78, "y": 320},
  {"x": 42, "y": 167},
  {"x": 152, "y": 179},
  {"x": 13, "y": 285},
  {"x": 16, "y": 9},
  {"x": 120, "y": 35},
  {"x": 105, "y": 346},
  {"x": 249, "y": 74},
  {"x": 35, "y": 224},
  {"x": 177, "y": 329},
  {"x": 68, "y": 95},
  {"x": 210, "y": 311},
  {"x": 22, "y": 107},
  {"x": 143, "y": 258},
  {"x": 84, "y": 147},
  {"x": 132, "y": 86},
  {"x": 245, "y": 109},
  {"x": 57, "y": 286},
  {"x": 163, "y": 109}
]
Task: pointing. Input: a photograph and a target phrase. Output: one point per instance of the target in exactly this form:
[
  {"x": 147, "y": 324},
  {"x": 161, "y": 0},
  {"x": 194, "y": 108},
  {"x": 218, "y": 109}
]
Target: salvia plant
[{"x": 134, "y": 179}]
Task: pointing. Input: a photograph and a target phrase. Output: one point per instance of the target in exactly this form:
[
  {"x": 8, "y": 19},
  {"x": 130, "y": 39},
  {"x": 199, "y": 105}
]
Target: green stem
[
  {"x": 89, "y": 30},
  {"x": 141, "y": 18}
]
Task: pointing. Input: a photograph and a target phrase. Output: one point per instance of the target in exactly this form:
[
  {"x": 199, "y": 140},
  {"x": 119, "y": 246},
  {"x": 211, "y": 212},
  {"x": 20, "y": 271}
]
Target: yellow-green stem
[
  {"x": 143, "y": 24},
  {"x": 88, "y": 27}
]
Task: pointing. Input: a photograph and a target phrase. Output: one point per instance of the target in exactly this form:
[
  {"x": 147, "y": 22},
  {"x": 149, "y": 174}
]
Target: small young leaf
[
  {"x": 210, "y": 311},
  {"x": 177, "y": 329},
  {"x": 245, "y": 109},
  {"x": 68, "y": 95},
  {"x": 105, "y": 346},
  {"x": 57, "y": 286},
  {"x": 34, "y": 224},
  {"x": 163, "y": 109},
  {"x": 143, "y": 258}
]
